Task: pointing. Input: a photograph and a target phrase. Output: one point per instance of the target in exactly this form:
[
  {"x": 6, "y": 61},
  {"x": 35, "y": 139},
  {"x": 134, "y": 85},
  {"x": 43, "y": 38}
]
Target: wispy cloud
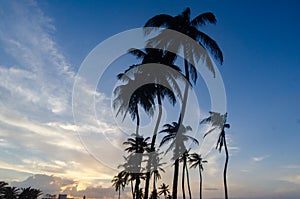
[
  {"x": 260, "y": 158},
  {"x": 37, "y": 128}
]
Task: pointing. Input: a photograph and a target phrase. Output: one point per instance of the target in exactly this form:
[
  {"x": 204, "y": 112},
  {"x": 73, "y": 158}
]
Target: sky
[{"x": 43, "y": 48}]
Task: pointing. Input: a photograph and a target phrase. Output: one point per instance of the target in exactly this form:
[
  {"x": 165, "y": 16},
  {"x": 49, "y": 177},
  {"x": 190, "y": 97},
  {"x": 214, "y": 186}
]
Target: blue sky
[{"x": 44, "y": 43}]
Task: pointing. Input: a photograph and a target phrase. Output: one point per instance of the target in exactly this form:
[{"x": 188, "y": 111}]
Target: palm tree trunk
[
  {"x": 182, "y": 180},
  {"x": 137, "y": 122},
  {"x": 132, "y": 189},
  {"x": 180, "y": 120},
  {"x": 153, "y": 144},
  {"x": 225, "y": 168},
  {"x": 188, "y": 181},
  {"x": 119, "y": 193},
  {"x": 175, "y": 179},
  {"x": 200, "y": 182}
]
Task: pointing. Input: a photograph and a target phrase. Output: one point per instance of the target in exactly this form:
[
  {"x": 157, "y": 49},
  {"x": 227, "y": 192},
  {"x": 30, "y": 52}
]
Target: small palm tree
[
  {"x": 218, "y": 122},
  {"x": 11, "y": 193},
  {"x": 30, "y": 193},
  {"x": 119, "y": 182},
  {"x": 164, "y": 189},
  {"x": 196, "y": 161},
  {"x": 183, "y": 158},
  {"x": 137, "y": 146},
  {"x": 176, "y": 134}
]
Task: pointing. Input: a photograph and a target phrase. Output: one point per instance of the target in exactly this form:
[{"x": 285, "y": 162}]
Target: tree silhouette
[
  {"x": 11, "y": 193},
  {"x": 29, "y": 193},
  {"x": 183, "y": 24},
  {"x": 137, "y": 146},
  {"x": 119, "y": 182},
  {"x": 196, "y": 161},
  {"x": 218, "y": 122},
  {"x": 164, "y": 189},
  {"x": 176, "y": 134},
  {"x": 163, "y": 83}
]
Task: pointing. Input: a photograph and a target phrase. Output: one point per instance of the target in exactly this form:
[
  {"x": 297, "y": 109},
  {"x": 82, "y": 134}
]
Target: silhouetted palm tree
[
  {"x": 183, "y": 158},
  {"x": 218, "y": 122},
  {"x": 3, "y": 186},
  {"x": 196, "y": 161},
  {"x": 183, "y": 24},
  {"x": 11, "y": 193},
  {"x": 137, "y": 146},
  {"x": 190, "y": 27},
  {"x": 176, "y": 134},
  {"x": 164, "y": 189},
  {"x": 119, "y": 182},
  {"x": 128, "y": 98},
  {"x": 29, "y": 193},
  {"x": 164, "y": 81}
]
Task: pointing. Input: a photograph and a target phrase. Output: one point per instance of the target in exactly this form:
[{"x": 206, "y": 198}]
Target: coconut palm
[
  {"x": 196, "y": 160},
  {"x": 11, "y": 193},
  {"x": 183, "y": 158},
  {"x": 137, "y": 146},
  {"x": 176, "y": 134},
  {"x": 30, "y": 193},
  {"x": 164, "y": 189},
  {"x": 119, "y": 182},
  {"x": 3, "y": 186},
  {"x": 128, "y": 98},
  {"x": 218, "y": 122},
  {"x": 190, "y": 27},
  {"x": 164, "y": 82}
]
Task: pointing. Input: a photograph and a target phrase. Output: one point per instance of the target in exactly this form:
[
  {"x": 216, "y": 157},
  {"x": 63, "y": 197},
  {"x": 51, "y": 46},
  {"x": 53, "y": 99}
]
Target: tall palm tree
[
  {"x": 128, "y": 98},
  {"x": 190, "y": 27},
  {"x": 183, "y": 24},
  {"x": 164, "y": 189},
  {"x": 11, "y": 193},
  {"x": 196, "y": 161},
  {"x": 183, "y": 158},
  {"x": 119, "y": 182},
  {"x": 176, "y": 134},
  {"x": 164, "y": 79},
  {"x": 137, "y": 146},
  {"x": 218, "y": 122}
]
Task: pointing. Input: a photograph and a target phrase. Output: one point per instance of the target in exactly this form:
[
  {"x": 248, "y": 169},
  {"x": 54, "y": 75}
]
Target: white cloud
[
  {"x": 37, "y": 128},
  {"x": 260, "y": 158}
]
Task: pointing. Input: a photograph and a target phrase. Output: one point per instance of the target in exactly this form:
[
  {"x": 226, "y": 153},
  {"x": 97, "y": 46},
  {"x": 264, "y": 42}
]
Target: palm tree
[
  {"x": 196, "y": 161},
  {"x": 127, "y": 173},
  {"x": 164, "y": 80},
  {"x": 11, "y": 193},
  {"x": 218, "y": 122},
  {"x": 30, "y": 193},
  {"x": 164, "y": 189},
  {"x": 3, "y": 186},
  {"x": 137, "y": 146},
  {"x": 119, "y": 182},
  {"x": 183, "y": 24},
  {"x": 128, "y": 98},
  {"x": 176, "y": 134},
  {"x": 183, "y": 158}
]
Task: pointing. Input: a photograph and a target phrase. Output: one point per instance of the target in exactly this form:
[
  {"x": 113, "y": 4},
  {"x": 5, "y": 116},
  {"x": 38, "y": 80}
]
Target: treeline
[{"x": 11, "y": 192}]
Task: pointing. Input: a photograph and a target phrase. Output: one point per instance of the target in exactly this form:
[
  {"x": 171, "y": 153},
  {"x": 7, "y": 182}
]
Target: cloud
[
  {"x": 37, "y": 128},
  {"x": 56, "y": 185},
  {"x": 260, "y": 158}
]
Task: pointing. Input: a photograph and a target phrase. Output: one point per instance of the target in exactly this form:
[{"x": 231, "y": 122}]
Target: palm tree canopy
[
  {"x": 185, "y": 25},
  {"x": 217, "y": 121},
  {"x": 177, "y": 136},
  {"x": 163, "y": 189},
  {"x": 196, "y": 160}
]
